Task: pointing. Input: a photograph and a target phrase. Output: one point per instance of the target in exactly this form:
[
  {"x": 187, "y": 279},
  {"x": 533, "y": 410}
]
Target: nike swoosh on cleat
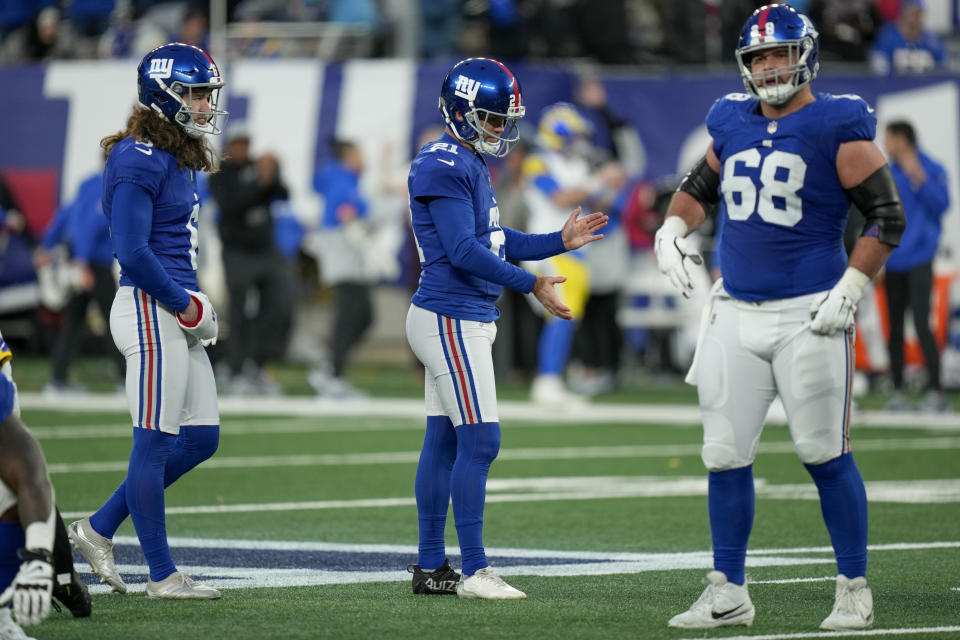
[
  {"x": 449, "y": 162},
  {"x": 723, "y": 614}
]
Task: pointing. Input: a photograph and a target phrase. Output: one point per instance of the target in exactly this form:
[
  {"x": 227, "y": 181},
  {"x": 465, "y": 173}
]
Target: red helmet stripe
[
  {"x": 762, "y": 22},
  {"x": 516, "y": 85}
]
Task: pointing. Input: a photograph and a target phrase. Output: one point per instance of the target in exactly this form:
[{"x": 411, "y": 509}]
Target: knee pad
[
  {"x": 814, "y": 451},
  {"x": 719, "y": 456}
]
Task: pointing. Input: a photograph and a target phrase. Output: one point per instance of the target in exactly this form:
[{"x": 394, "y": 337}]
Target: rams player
[
  {"x": 35, "y": 556},
  {"x": 786, "y": 163},
  {"x": 160, "y": 321},
  {"x": 559, "y": 175},
  {"x": 450, "y": 325}
]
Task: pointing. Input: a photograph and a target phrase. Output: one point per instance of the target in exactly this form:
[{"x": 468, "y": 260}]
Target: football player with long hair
[
  {"x": 451, "y": 322},
  {"x": 160, "y": 320},
  {"x": 786, "y": 163}
]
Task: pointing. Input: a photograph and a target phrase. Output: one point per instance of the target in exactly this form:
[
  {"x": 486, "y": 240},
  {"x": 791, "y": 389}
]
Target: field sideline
[{"x": 305, "y": 518}]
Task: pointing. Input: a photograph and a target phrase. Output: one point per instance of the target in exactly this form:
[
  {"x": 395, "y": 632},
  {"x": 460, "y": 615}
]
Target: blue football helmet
[
  {"x": 166, "y": 80},
  {"x": 772, "y": 26},
  {"x": 484, "y": 92}
]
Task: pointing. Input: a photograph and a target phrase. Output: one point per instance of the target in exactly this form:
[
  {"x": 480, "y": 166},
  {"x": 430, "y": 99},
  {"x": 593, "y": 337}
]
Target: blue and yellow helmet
[{"x": 561, "y": 127}]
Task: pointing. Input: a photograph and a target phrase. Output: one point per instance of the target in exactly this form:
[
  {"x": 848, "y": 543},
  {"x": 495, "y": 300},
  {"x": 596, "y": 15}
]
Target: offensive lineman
[
  {"x": 160, "y": 321},
  {"x": 787, "y": 163},
  {"x": 450, "y": 324}
]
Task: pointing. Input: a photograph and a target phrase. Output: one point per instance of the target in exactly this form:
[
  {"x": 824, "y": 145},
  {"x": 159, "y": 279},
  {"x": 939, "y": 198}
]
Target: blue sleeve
[
  {"x": 453, "y": 220},
  {"x": 86, "y": 232},
  {"x": 852, "y": 119},
  {"x": 130, "y": 229},
  {"x": 532, "y": 246},
  {"x": 546, "y": 183},
  {"x": 55, "y": 233},
  {"x": 934, "y": 194}
]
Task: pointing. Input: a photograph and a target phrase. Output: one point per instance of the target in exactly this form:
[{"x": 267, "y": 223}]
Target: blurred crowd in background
[
  {"x": 654, "y": 33},
  {"x": 276, "y": 268}
]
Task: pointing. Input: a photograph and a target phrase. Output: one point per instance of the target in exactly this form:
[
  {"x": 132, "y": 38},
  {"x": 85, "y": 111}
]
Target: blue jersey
[
  {"x": 463, "y": 249},
  {"x": 783, "y": 209},
  {"x": 176, "y": 206}
]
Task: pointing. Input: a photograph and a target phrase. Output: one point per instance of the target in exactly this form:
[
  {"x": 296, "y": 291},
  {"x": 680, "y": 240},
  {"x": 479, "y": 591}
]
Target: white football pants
[
  {"x": 458, "y": 358},
  {"x": 169, "y": 378},
  {"x": 749, "y": 353}
]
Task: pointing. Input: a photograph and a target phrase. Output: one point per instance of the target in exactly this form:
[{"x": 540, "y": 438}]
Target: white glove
[
  {"x": 672, "y": 252},
  {"x": 205, "y": 328},
  {"x": 31, "y": 587},
  {"x": 833, "y": 312}
]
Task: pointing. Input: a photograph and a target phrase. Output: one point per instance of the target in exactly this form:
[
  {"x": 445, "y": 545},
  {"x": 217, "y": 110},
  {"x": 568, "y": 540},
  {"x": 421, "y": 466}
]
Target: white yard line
[
  {"x": 595, "y": 488},
  {"x": 686, "y": 415},
  {"x": 599, "y": 563},
  {"x": 842, "y": 634},
  {"x": 540, "y": 453}
]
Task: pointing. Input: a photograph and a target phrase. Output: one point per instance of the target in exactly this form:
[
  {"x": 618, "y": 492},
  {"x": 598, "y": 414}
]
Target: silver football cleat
[
  {"x": 177, "y": 586},
  {"x": 98, "y": 552}
]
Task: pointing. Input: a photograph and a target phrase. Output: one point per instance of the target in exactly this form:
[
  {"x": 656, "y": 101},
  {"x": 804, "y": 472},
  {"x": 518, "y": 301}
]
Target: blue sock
[
  {"x": 145, "y": 498},
  {"x": 843, "y": 502},
  {"x": 11, "y": 540},
  {"x": 194, "y": 445},
  {"x": 432, "y": 488},
  {"x": 477, "y": 446},
  {"x": 556, "y": 338},
  {"x": 730, "y": 501}
]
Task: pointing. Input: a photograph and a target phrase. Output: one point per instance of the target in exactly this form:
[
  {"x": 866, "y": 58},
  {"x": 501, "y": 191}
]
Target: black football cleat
[
  {"x": 442, "y": 581},
  {"x": 73, "y": 594}
]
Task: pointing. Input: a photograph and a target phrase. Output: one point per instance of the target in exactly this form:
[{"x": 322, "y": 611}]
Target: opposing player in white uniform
[
  {"x": 160, "y": 321},
  {"x": 787, "y": 163},
  {"x": 557, "y": 176},
  {"x": 451, "y": 322}
]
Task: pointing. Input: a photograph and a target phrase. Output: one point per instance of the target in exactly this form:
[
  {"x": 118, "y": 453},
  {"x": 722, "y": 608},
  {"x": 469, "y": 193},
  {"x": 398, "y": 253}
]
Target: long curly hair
[{"x": 144, "y": 124}]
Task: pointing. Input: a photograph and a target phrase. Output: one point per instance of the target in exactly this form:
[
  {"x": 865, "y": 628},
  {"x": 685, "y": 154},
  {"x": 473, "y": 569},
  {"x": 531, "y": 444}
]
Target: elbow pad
[
  {"x": 702, "y": 183},
  {"x": 878, "y": 199}
]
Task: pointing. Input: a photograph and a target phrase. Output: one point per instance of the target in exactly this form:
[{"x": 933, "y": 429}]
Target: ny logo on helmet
[
  {"x": 160, "y": 67},
  {"x": 467, "y": 88},
  {"x": 755, "y": 35}
]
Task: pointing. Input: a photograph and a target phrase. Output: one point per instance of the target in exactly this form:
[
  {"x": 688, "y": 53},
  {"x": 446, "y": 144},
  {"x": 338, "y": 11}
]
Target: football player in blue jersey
[
  {"x": 786, "y": 164},
  {"x": 160, "y": 321},
  {"x": 450, "y": 325}
]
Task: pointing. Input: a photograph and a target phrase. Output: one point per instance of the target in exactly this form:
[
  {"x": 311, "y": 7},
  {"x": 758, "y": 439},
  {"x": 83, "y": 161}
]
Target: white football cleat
[
  {"x": 97, "y": 551},
  {"x": 549, "y": 391},
  {"x": 177, "y": 586},
  {"x": 9, "y": 629},
  {"x": 722, "y": 604},
  {"x": 487, "y": 585},
  {"x": 852, "y": 607}
]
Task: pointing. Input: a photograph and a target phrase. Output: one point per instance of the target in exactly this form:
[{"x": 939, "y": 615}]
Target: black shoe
[
  {"x": 442, "y": 581},
  {"x": 74, "y": 595}
]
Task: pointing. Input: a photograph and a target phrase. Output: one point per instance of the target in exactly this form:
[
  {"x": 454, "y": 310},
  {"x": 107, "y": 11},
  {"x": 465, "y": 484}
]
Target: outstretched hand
[
  {"x": 544, "y": 292},
  {"x": 578, "y": 231}
]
